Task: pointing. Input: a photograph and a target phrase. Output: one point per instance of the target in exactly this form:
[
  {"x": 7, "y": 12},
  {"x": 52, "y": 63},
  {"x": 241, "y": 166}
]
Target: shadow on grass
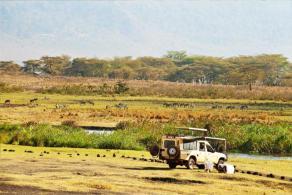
[
  {"x": 151, "y": 168},
  {"x": 174, "y": 180}
]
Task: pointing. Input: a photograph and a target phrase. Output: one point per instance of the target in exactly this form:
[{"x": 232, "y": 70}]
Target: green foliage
[
  {"x": 272, "y": 70},
  {"x": 64, "y": 136},
  {"x": 31, "y": 66},
  {"x": 88, "y": 67},
  {"x": 9, "y": 66},
  {"x": 176, "y": 56},
  {"x": 52, "y": 65},
  {"x": 248, "y": 138},
  {"x": 55, "y": 65}
]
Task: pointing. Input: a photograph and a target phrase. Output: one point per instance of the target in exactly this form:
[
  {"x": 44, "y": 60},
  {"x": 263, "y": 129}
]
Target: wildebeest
[
  {"x": 83, "y": 102},
  {"x": 7, "y": 102},
  {"x": 243, "y": 107},
  {"x": 216, "y": 106},
  {"x": 33, "y": 100},
  {"x": 230, "y": 107}
]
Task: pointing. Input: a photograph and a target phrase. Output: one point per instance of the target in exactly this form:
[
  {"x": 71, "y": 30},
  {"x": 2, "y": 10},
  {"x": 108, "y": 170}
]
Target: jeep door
[
  {"x": 211, "y": 155},
  {"x": 201, "y": 152}
]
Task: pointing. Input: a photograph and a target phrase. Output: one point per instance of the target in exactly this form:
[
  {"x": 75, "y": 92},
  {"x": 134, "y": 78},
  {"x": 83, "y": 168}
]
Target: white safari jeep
[{"x": 189, "y": 151}]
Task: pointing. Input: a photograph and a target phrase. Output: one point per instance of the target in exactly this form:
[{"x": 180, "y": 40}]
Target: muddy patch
[
  {"x": 174, "y": 180},
  {"x": 6, "y": 179},
  {"x": 277, "y": 185},
  {"x": 148, "y": 168},
  {"x": 232, "y": 178},
  {"x": 90, "y": 174},
  {"x": 32, "y": 160}
]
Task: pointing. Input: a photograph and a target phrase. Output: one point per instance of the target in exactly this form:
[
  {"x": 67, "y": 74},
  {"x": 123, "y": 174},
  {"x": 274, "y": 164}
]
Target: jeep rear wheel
[
  {"x": 172, "y": 165},
  {"x": 191, "y": 164}
]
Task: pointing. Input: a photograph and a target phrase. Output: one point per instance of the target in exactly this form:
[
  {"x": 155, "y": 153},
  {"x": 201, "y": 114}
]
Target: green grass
[
  {"x": 64, "y": 136},
  {"x": 253, "y": 138}
]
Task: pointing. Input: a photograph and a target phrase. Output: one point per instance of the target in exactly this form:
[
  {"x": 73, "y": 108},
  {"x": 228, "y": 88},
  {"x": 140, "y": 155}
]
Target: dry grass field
[
  {"x": 153, "y": 88},
  {"x": 139, "y": 108},
  {"x": 53, "y": 170},
  {"x": 145, "y": 102}
]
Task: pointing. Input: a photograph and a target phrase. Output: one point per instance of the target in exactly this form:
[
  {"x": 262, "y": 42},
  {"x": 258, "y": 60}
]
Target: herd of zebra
[
  {"x": 192, "y": 105},
  {"x": 178, "y": 104},
  {"x": 33, "y": 102}
]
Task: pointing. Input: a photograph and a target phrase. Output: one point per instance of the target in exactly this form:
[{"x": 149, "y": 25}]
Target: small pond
[
  {"x": 259, "y": 157},
  {"x": 98, "y": 130}
]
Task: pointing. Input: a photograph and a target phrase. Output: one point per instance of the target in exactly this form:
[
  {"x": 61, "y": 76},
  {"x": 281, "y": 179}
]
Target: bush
[
  {"x": 5, "y": 88},
  {"x": 248, "y": 138},
  {"x": 121, "y": 87},
  {"x": 69, "y": 123}
]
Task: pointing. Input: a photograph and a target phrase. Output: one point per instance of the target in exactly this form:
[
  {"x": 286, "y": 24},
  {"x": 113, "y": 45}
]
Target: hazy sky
[{"x": 120, "y": 28}]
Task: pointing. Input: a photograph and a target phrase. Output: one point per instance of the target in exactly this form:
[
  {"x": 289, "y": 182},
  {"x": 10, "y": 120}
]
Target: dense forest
[{"x": 176, "y": 66}]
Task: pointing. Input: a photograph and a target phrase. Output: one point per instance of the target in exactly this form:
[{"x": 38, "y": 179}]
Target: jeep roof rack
[{"x": 192, "y": 129}]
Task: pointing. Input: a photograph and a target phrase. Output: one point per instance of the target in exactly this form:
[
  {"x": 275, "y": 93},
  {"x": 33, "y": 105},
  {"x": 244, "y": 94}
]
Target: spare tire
[
  {"x": 173, "y": 151},
  {"x": 154, "y": 150}
]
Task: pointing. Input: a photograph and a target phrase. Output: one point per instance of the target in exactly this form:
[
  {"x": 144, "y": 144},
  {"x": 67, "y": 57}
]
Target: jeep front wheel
[
  {"x": 191, "y": 164},
  {"x": 220, "y": 161}
]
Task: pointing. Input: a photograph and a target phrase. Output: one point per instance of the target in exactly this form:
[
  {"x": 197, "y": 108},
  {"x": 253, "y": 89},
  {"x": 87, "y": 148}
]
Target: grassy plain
[
  {"x": 138, "y": 107},
  {"x": 86, "y": 173},
  {"x": 59, "y": 173}
]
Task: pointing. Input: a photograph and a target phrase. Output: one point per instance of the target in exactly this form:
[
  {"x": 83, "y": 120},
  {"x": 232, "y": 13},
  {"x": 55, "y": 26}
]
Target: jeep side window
[
  {"x": 202, "y": 146},
  {"x": 189, "y": 145},
  {"x": 210, "y": 149}
]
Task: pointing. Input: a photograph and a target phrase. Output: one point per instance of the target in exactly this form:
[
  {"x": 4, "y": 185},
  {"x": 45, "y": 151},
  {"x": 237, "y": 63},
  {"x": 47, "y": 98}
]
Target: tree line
[{"x": 176, "y": 66}]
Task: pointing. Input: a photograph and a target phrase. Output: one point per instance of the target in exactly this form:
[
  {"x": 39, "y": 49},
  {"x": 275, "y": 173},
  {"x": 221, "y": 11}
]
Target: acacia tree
[
  {"x": 9, "y": 66},
  {"x": 89, "y": 67},
  {"x": 32, "y": 66},
  {"x": 176, "y": 56},
  {"x": 55, "y": 65},
  {"x": 122, "y": 73}
]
